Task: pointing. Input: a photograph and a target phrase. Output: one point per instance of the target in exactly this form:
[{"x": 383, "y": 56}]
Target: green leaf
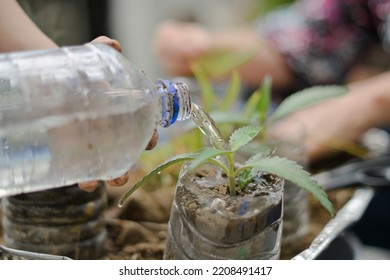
[
  {"x": 232, "y": 92},
  {"x": 265, "y": 100},
  {"x": 220, "y": 62},
  {"x": 305, "y": 98},
  {"x": 205, "y": 155},
  {"x": 259, "y": 151},
  {"x": 294, "y": 173},
  {"x": 245, "y": 177},
  {"x": 251, "y": 105},
  {"x": 207, "y": 89},
  {"x": 155, "y": 171},
  {"x": 243, "y": 136}
]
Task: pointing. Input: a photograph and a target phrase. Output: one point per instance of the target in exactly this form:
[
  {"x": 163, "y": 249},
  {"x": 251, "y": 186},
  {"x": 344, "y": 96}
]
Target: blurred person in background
[
  {"x": 308, "y": 43},
  {"x": 304, "y": 44}
]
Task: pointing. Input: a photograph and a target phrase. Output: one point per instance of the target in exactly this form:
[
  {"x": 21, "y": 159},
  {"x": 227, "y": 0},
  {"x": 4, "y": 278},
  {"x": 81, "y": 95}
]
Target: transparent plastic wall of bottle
[{"x": 73, "y": 114}]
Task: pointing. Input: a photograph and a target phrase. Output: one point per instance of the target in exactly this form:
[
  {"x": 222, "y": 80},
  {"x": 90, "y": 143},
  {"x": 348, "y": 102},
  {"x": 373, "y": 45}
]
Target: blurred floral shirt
[{"x": 323, "y": 39}]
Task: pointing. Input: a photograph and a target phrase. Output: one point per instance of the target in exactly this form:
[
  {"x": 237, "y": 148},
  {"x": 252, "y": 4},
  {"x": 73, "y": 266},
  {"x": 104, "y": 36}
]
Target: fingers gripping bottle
[{"x": 77, "y": 114}]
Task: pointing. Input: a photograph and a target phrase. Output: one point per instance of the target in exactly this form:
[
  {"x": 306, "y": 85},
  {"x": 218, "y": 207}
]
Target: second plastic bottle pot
[{"x": 64, "y": 221}]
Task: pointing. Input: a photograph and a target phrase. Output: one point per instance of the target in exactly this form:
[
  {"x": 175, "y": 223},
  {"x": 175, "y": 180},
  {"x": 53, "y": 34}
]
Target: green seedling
[
  {"x": 244, "y": 174},
  {"x": 254, "y": 115}
]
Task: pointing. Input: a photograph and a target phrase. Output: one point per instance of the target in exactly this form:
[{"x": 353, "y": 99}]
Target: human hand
[
  {"x": 92, "y": 185},
  {"x": 177, "y": 44},
  {"x": 327, "y": 126},
  {"x": 109, "y": 42}
]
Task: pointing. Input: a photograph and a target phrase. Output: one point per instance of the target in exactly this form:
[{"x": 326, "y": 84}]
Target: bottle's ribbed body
[{"x": 71, "y": 115}]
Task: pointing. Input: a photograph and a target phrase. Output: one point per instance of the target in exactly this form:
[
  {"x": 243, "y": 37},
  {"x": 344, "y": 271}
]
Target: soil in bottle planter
[
  {"x": 206, "y": 222},
  {"x": 65, "y": 221}
]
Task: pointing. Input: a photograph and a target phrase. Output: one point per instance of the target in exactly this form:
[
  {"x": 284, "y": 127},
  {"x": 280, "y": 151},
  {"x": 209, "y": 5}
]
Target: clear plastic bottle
[{"x": 77, "y": 114}]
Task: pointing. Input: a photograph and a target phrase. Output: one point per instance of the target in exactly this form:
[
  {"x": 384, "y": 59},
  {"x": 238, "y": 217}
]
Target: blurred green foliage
[{"x": 222, "y": 109}]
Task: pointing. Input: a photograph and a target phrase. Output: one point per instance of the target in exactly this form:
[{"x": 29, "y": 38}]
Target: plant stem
[{"x": 232, "y": 181}]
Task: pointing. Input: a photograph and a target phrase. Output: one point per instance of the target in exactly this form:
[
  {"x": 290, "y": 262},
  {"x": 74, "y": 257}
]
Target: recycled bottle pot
[
  {"x": 64, "y": 221},
  {"x": 206, "y": 222}
]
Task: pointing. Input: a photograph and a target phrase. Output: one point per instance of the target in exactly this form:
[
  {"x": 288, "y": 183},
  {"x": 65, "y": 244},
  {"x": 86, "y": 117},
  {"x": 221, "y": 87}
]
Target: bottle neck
[{"x": 175, "y": 101}]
